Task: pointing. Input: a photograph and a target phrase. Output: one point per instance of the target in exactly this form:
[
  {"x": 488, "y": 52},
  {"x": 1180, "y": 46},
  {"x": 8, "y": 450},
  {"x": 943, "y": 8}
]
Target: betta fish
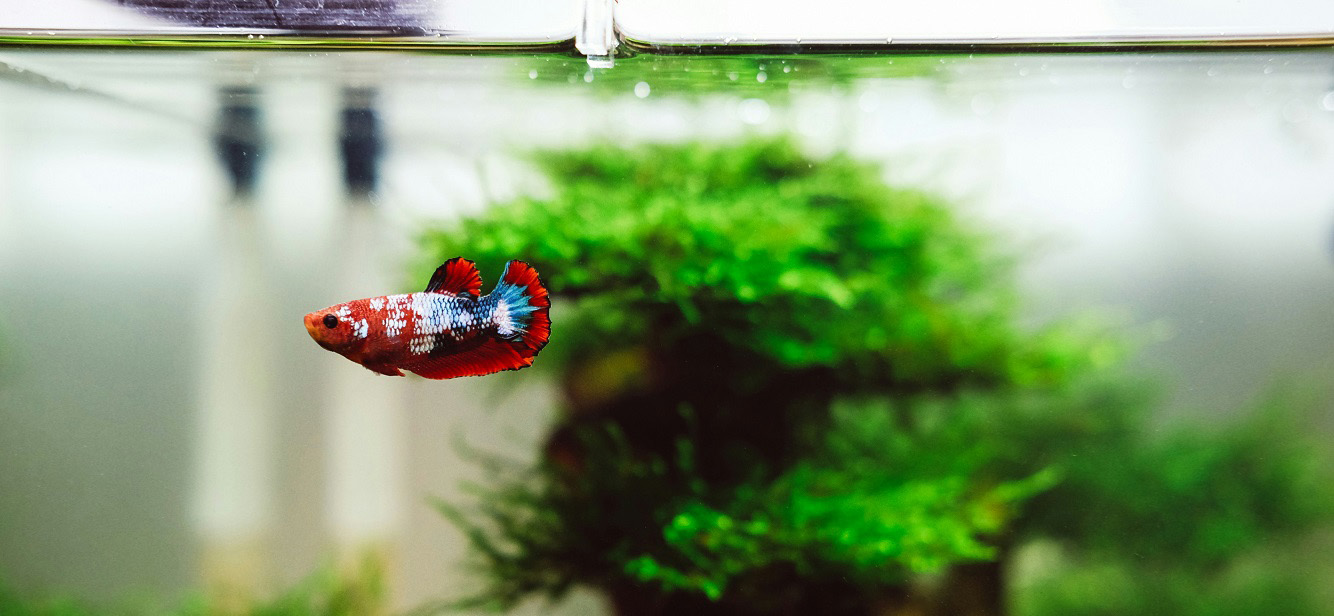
[{"x": 445, "y": 331}]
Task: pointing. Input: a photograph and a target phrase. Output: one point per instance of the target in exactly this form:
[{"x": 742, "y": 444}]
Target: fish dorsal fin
[{"x": 458, "y": 276}]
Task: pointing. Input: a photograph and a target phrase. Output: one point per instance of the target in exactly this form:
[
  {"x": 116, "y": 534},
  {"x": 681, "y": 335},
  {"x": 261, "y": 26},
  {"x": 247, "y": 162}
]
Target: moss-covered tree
[{"x": 790, "y": 388}]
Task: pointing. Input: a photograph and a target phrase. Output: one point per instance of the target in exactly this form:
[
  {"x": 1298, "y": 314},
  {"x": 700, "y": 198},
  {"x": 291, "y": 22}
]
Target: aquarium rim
[
  {"x": 278, "y": 39},
  {"x": 628, "y": 44},
  {"x": 997, "y": 44}
]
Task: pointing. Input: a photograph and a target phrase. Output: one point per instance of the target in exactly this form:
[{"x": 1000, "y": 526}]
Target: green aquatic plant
[
  {"x": 789, "y": 387},
  {"x": 361, "y": 592},
  {"x": 685, "y": 76}
]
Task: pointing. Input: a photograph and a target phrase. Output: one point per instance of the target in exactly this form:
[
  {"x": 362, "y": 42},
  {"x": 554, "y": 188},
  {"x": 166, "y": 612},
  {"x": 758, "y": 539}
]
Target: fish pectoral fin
[
  {"x": 491, "y": 356},
  {"x": 384, "y": 369},
  {"x": 458, "y": 276}
]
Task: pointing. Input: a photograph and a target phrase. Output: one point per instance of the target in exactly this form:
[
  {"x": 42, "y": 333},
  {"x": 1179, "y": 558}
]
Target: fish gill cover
[{"x": 790, "y": 388}]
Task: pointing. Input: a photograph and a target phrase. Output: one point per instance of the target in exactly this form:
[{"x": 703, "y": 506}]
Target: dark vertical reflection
[
  {"x": 360, "y": 141},
  {"x": 239, "y": 138}
]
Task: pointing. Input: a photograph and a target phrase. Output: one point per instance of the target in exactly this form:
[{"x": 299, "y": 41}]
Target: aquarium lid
[{"x": 446, "y": 24}]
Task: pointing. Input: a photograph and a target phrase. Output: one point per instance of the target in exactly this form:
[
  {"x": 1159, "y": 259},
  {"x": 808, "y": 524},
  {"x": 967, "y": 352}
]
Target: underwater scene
[{"x": 1033, "y": 334}]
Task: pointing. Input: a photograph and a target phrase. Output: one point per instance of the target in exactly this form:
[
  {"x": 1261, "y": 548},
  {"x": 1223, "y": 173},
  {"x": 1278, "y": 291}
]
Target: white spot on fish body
[
  {"x": 432, "y": 312},
  {"x": 361, "y": 328},
  {"x": 377, "y": 304},
  {"x": 396, "y": 321},
  {"x": 421, "y": 345},
  {"x": 501, "y": 317}
]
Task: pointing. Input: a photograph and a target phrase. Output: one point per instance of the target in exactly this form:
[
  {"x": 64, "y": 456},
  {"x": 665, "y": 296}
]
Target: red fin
[
  {"x": 458, "y": 276},
  {"x": 538, "y": 328},
  {"x": 491, "y": 356},
  {"x": 384, "y": 369}
]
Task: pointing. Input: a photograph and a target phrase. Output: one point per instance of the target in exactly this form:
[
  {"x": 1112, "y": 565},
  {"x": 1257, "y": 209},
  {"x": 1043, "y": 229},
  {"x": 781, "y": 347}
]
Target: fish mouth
[
  {"x": 311, "y": 321},
  {"x": 318, "y": 332}
]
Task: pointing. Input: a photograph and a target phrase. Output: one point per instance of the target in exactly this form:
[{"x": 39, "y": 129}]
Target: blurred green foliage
[
  {"x": 790, "y": 387},
  {"x": 324, "y": 593},
  {"x": 761, "y": 76},
  {"x": 1124, "y": 585}
]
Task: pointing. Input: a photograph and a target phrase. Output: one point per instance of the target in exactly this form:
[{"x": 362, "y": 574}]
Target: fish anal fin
[
  {"x": 385, "y": 369},
  {"x": 491, "y": 356},
  {"x": 458, "y": 276}
]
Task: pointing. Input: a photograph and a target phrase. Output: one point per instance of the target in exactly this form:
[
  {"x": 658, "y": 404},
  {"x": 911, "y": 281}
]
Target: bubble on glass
[
  {"x": 1328, "y": 101},
  {"x": 761, "y": 76},
  {"x": 532, "y": 74},
  {"x": 1129, "y": 81},
  {"x": 868, "y": 102},
  {"x": 754, "y": 111},
  {"x": 982, "y": 104},
  {"x": 642, "y": 89},
  {"x": 733, "y": 76},
  {"x": 588, "y": 77}
]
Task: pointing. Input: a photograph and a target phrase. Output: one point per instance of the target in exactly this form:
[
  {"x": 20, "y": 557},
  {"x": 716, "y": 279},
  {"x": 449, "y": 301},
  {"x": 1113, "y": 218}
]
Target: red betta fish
[{"x": 445, "y": 331}]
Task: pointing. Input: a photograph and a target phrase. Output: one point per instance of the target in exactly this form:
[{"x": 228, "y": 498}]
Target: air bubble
[
  {"x": 754, "y": 111},
  {"x": 642, "y": 89}
]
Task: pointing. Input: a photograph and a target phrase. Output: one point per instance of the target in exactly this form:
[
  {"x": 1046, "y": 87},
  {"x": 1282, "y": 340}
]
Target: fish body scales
[{"x": 424, "y": 323}]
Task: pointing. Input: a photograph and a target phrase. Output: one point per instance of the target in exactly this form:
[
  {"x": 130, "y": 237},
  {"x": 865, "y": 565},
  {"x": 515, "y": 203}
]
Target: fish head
[{"x": 336, "y": 329}]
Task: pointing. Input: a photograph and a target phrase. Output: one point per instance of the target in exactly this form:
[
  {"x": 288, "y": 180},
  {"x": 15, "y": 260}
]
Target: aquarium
[{"x": 955, "y": 315}]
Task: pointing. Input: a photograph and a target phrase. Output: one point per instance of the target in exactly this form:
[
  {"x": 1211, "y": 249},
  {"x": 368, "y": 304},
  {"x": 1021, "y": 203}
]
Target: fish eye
[{"x": 330, "y": 321}]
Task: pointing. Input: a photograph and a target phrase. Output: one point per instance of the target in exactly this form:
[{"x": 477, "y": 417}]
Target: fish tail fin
[{"x": 521, "y": 309}]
